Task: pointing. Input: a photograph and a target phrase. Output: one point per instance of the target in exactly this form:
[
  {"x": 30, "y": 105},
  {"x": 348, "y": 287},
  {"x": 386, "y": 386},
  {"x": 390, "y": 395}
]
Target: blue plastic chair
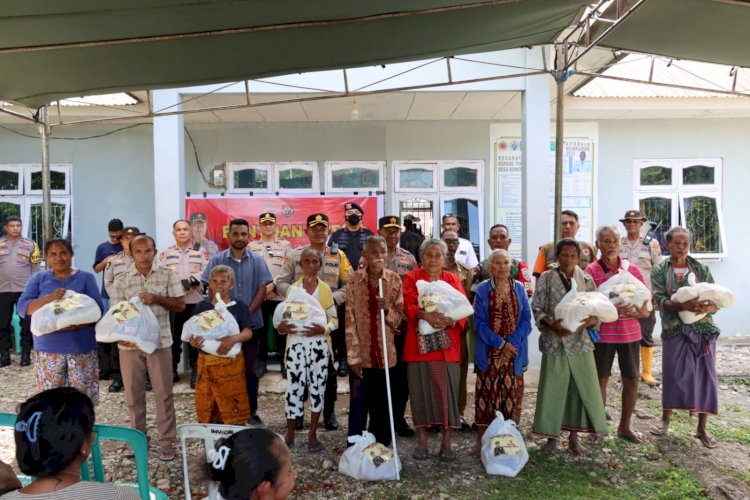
[
  {"x": 15, "y": 323},
  {"x": 135, "y": 438}
]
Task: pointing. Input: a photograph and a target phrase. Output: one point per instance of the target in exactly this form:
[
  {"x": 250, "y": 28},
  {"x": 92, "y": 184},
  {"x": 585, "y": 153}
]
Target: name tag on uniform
[{"x": 277, "y": 261}]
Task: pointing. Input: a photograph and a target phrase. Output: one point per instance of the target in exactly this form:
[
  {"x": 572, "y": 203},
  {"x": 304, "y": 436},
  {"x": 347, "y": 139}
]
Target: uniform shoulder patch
[{"x": 36, "y": 256}]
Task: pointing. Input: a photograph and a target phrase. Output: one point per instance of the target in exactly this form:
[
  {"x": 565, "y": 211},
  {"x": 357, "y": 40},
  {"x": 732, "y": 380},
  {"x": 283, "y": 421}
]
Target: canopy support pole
[
  {"x": 560, "y": 77},
  {"x": 44, "y": 132}
]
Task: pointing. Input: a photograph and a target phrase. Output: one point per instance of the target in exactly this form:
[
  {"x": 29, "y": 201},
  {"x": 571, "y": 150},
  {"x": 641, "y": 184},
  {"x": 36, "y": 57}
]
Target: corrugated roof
[{"x": 667, "y": 71}]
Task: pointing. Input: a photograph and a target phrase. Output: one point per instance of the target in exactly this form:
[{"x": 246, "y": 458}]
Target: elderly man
[
  {"x": 162, "y": 292},
  {"x": 465, "y": 253},
  {"x": 621, "y": 337},
  {"x": 519, "y": 270},
  {"x": 568, "y": 229},
  {"x": 198, "y": 223},
  {"x": 19, "y": 260},
  {"x": 188, "y": 263},
  {"x": 453, "y": 266},
  {"x": 364, "y": 343},
  {"x": 251, "y": 276},
  {"x": 335, "y": 272},
  {"x": 275, "y": 252},
  {"x": 645, "y": 256},
  {"x": 400, "y": 262},
  {"x": 116, "y": 265}
]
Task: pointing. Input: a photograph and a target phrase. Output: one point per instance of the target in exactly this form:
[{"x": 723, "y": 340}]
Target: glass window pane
[
  {"x": 8, "y": 208},
  {"x": 250, "y": 178},
  {"x": 58, "y": 221},
  {"x": 419, "y": 178},
  {"x": 702, "y": 220},
  {"x": 467, "y": 212},
  {"x": 659, "y": 211},
  {"x": 363, "y": 178},
  {"x": 656, "y": 176},
  {"x": 422, "y": 209},
  {"x": 8, "y": 180},
  {"x": 57, "y": 180},
  {"x": 295, "y": 178},
  {"x": 460, "y": 177},
  {"x": 698, "y": 174}
]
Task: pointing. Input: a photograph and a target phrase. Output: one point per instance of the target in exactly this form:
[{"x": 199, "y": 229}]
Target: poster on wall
[
  {"x": 291, "y": 213},
  {"x": 578, "y": 185}
]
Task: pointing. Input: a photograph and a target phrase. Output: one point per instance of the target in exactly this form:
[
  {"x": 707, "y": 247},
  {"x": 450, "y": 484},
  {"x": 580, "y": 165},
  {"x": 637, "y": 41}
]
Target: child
[
  {"x": 254, "y": 463},
  {"x": 220, "y": 391}
]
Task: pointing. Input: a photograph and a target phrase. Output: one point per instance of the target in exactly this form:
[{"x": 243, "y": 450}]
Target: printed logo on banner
[
  {"x": 515, "y": 145},
  {"x": 502, "y": 145},
  {"x": 287, "y": 211}
]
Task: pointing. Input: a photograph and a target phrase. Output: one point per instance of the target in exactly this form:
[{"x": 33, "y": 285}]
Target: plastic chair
[
  {"x": 209, "y": 433},
  {"x": 135, "y": 438},
  {"x": 15, "y": 324}
]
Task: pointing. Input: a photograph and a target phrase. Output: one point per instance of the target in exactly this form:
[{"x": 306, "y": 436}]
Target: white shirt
[{"x": 465, "y": 254}]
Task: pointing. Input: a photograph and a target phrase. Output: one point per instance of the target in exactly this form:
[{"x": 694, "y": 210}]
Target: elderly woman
[
  {"x": 688, "y": 351},
  {"x": 502, "y": 318},
  {"x": 568, "y": 398},
  {"x": 66, "y": 357},
  {"x": 432, "y": 369},
  {"x": 307, "y": 352}
]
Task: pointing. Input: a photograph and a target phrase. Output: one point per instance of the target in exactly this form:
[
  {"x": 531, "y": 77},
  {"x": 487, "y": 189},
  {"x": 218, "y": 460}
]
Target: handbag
[{"x": 436, "y": 341}]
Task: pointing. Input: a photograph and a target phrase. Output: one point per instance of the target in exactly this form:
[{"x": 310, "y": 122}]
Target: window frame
[
  {"x": 714, "y": 163},
  {"x": 20, "y": 173},
  {"x": 333, "y": 166},
  {"x": 33, "y": 168},
  {"x": 643, "y": 164},
  {"x": 400, "y": 166},
  {"x": 279, "y": 167},
  {"x": 720, "y": 215},
  {"x": 444, "y": 166},
  {"x": 232, "y": 167},
  {"x": 30, "y": 200}
]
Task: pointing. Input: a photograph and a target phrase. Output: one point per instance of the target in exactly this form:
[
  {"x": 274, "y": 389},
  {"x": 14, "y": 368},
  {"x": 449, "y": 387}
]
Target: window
[
  {"x": 460, "y": 176},
  {"x": 348, "y": 176},
  {"x": 684, "y": 192},
  {"x": 415, "y": 177},
  {"x": 249, "y": 177},
  {"x": 270, "y": 177},
  {"x": 21, "y": 195},
  {"x": 296, "y": 177}
]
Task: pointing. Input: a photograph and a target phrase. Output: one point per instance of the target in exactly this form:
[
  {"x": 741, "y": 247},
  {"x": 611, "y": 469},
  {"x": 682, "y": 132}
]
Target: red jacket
[{"x": 411, "y": 307}]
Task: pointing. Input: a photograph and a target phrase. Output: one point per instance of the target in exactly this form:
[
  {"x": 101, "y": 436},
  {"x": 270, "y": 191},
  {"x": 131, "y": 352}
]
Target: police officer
[
  {"x": 116, "y": 265},
  {"x": 102, "y": 255},
  {"x": 569, "y": 226},
  {"x": 19, "y": 259},
  {"x": 275, "y": 252},
  {"x": 188, "y": 263},
  {"x": 399, "y": 261},
  {"x": 644, "y": 256},
  {"x": 200, "y": 242},
  {"x": 335, "y": 272},
  {"x": 350, "y": 239}
]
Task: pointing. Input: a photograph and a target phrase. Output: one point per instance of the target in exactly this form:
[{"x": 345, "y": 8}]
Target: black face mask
[{"x": 353, "y": 219}]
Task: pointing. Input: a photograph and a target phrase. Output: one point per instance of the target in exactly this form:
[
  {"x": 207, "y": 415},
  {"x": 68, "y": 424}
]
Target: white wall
[{"x": 622, "y": 141}]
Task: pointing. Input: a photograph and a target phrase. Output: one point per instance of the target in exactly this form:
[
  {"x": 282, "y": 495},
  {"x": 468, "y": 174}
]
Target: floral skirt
[{"x": 68, "y": 370}]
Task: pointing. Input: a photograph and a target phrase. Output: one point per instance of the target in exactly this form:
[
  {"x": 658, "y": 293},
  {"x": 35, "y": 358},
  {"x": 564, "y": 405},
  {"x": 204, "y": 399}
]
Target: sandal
[
  {"x": 635, "y": 437},
  {"x": 420, "y": 454},
  {"x": 315, "y": 447},
  {"x": 659, "y": 429},
  {"x": 447, "y": 457},
  {"x": 707, "y": 440},
  {"x": 167, "y": 454}
]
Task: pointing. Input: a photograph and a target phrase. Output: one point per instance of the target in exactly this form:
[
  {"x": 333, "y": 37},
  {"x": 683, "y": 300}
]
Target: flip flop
[
  {"x": 420, "y": 454},
  {"x": 659, "y": 429},
  {"x": 167, "y": 454},
  {"x": 447, "y": 457},
  {"x": 708, "y": 441},
  {"x": 315, "y": 447},
  {"x": 635, "y": 437}
]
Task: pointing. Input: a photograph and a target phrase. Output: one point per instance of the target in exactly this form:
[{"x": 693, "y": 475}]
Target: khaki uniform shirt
[
  {"x": 186, "y": 262},
  {"x": 464, "y": 274},
  {"x": 334, "y": 272},
  {"x": 116, "y": 265},
  {"x": 18, "y": 261},
  {"x": 275, "y": 254},
  {"x": 208, "y": 245},
  {"x": 400, "y": 262},
  {"x": 546, "y": 256},
  {"x": 643, "y": 256}
]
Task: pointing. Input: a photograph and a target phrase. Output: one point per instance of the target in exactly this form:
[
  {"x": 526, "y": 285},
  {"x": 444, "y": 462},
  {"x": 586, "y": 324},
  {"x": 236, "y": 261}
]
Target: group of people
[{"x": 366, "y": 283}]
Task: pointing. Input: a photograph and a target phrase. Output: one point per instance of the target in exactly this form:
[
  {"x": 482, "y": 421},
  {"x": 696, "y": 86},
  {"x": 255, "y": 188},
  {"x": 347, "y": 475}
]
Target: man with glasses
[
  {"x": 465, "y": 253},
  {"x": 104, "y": 252},
  {"x": 19, "y": 259},
  {"x": 275, "y": 252},
  {"x": 644, "y": 256}
]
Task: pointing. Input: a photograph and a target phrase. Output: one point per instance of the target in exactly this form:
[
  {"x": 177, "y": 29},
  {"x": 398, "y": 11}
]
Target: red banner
[{"x": 291, "y": 214}]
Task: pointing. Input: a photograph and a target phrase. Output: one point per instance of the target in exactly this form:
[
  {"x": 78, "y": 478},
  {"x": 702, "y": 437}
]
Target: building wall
[{"x": 622, "y": 141}]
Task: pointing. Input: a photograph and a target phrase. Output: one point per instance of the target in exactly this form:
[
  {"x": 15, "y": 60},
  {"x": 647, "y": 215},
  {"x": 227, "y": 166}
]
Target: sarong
[
  {"x": 689, "y": 378},
  {"x": 220, "y": 391},
  {"x": 433, "y": 392}
]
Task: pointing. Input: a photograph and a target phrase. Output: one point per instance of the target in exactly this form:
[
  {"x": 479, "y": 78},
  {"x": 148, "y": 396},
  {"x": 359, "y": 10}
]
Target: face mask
[{"x": 353, "y": 219}]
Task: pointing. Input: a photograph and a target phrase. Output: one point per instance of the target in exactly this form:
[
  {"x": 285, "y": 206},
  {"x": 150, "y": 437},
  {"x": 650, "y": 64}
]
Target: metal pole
[
  {"x": 388, "y": 385},
  {"x": 562, "y": 51},
  {"x": 44, "y": 131}
]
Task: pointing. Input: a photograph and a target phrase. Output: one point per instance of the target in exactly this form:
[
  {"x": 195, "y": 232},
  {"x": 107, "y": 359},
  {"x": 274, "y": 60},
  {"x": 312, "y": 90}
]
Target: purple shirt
[{"x": 75, "y": 341}]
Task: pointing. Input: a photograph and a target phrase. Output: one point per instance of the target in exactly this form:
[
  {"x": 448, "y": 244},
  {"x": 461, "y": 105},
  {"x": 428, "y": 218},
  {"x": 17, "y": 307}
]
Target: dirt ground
[{"x": 674, "y": 466}]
